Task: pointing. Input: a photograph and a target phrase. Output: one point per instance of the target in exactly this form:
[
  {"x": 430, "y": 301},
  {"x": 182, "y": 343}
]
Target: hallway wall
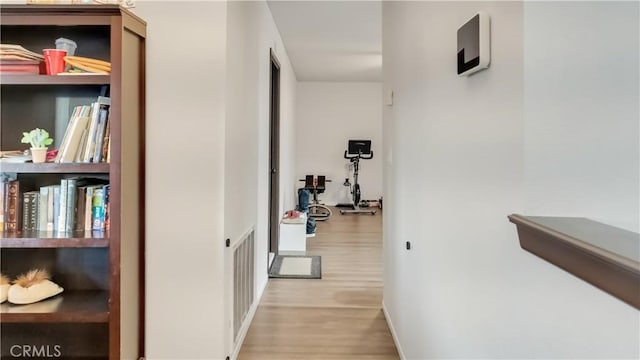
[
  {"x": 536, "y": 133},
  {"x": 207, "y": 163},
  {"x": 328, "y": 115},
  {"x": 581, "y": 111},
  {"x": 251, "y": 32},
  {"x": 185, "y": 147}
]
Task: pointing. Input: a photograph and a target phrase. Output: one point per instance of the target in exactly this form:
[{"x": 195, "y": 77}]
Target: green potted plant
[{"x": 39, "y": 140}]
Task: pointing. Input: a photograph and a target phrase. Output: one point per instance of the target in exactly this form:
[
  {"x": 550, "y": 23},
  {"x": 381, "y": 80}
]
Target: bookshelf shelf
[
  {"x": 12, "y": 79},
  {"x": 36, "y": 239},
  {"x": 68, "y": 307},
  {"x": 55, "y": 168}
]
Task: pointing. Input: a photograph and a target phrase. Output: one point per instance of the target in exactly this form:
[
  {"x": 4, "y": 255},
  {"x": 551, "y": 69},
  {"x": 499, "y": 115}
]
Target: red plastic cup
[{"x": 54, "y": 60}]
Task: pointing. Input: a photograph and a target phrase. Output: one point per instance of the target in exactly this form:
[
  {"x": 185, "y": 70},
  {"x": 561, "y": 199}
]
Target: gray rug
[{"x": 296, "y": 267}]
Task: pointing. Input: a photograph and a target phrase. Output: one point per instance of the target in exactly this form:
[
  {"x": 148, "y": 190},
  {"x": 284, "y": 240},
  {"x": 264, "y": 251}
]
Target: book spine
[
  {"x": 97, "y": 152},
  {"x": 72, "y": 185},
  {"x": 56, "y": 207},
  {"x": 26, "y": 211},
  {"x": 88, "y": 211},
  {"x": 63, "y": 145},
  {"x": 80, "y": 206},
  {"x": 62, "y": 214},
  {"x": 3, "y": 202},
  {"x": 107, "y": 207},
  {"x": 50, "y": 208},
  {"x": 13, "y": 206},
  {"x": 91, "y": 136},
  {"x": 105, "y": 141},
  {"x": 30, "y": 210},
  {"x": 109, "y": 150},
  {"x": 98, "y": 210},
  {"x": 35, "y": 210},
  {"x": 42, "y": 213}
]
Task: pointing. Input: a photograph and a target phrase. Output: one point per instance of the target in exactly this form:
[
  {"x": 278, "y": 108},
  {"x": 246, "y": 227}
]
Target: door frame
[{"x": 274, "y": 153}]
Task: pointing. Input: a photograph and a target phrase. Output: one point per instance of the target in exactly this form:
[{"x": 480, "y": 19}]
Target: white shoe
[
  {"x": 33, "y": 287},
  {"x": 4, "y": 288}
]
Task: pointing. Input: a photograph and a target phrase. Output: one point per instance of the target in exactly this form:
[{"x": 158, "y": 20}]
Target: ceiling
[{"x": 331, "y": 40}]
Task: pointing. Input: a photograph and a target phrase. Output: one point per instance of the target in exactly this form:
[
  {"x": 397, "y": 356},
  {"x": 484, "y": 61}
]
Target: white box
[{"x": 293, "y": 237}]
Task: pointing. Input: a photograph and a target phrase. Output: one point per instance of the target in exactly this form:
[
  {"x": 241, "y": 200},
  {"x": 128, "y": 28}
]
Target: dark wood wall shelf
[
  {"x": 10, "y": 79},
  {"x": 54, "y": 168},
  {"x": 603, "y": 255},
  {"x": 67, "y": 307}
]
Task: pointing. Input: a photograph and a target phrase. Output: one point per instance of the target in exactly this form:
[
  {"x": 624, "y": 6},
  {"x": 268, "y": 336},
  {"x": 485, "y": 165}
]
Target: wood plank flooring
[{"x": 337, "y": 317}]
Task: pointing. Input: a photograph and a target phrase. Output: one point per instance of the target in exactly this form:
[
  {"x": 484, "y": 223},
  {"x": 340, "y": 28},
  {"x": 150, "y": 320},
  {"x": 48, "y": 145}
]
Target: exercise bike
[
  {"x": 316, "y": 185},
  {"x": 357, "y": 150}
]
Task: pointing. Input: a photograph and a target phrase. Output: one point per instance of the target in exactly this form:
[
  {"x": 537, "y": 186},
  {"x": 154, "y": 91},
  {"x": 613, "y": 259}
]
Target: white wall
[
  {"x": 251, "y": 34},
  {"x": 328, "y": 115},
  {"x": 220, "y": 190},
  {"x": 463, "y": 153},
  {"x": 581, "y": 111},
  {"x": 185, "y": 178}
]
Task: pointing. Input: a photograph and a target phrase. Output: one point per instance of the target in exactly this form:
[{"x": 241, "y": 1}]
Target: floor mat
[{"x": 296, "y": 267}]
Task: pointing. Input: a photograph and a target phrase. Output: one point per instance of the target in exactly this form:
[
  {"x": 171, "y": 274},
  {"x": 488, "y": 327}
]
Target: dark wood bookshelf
[
  {"x": 43, "y": 239},
  {"x": 29, "y": 79},
  {"x": 80, "y": 306},
  {"x": 55, "y": 168},
  {"x": 93, "y": 319}
]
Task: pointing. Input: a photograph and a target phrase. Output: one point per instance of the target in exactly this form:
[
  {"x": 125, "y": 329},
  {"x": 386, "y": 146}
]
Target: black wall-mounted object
[{"x": 474, "y": 45}]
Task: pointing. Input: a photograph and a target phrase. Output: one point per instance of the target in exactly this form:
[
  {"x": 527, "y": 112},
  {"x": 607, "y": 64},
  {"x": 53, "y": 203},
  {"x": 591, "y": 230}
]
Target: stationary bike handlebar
[{"x": 358, "y": 156}]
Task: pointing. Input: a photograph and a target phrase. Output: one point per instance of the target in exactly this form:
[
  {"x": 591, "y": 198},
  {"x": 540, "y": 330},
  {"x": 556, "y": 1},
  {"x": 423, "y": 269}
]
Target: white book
[
  {"x": 62, "y": 215},
  {"x": 78, "y": 127},
  {"x": 65, "y": 139},
  {"x": 93, "y": 125},
  {"x": 50, "y": 208},
  {"x": 83, "y": 142},
  {"x": 43, "y": 206}
]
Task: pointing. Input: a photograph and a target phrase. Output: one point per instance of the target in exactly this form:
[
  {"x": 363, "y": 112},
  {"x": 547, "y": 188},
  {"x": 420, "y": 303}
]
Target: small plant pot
[{"x": 38, "y": 155}]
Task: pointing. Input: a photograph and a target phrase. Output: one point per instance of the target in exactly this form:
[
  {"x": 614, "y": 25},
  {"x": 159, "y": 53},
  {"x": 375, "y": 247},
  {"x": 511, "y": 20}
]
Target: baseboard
[
  {"x": 393, "y": 331},
  {"x": 247, "y": 322}
]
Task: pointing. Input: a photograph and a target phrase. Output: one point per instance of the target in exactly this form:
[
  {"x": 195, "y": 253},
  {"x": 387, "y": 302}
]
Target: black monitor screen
[{"x": 359, "y": 147}]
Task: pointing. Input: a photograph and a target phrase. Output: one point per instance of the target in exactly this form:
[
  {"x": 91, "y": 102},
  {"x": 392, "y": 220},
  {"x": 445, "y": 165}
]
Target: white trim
[
  {"x": 393, "y": 331},
  {"x": 234, "y": 245},
  {"x": 247, "y": 322},
  {"x": 272, "y": 256}
]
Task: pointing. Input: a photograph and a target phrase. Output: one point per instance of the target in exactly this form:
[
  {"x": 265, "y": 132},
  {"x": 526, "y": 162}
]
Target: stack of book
[
  {"x": 74, "y": 205},
  {"x": 87, "y": 139},
  {"x": 14, "y": 59}
]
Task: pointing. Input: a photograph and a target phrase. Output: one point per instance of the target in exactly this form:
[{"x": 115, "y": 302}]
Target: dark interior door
[{"x": 274, "y": 155}]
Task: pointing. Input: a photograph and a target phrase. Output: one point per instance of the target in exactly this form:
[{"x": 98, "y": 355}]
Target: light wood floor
[{"x": 337, "y": 317}]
